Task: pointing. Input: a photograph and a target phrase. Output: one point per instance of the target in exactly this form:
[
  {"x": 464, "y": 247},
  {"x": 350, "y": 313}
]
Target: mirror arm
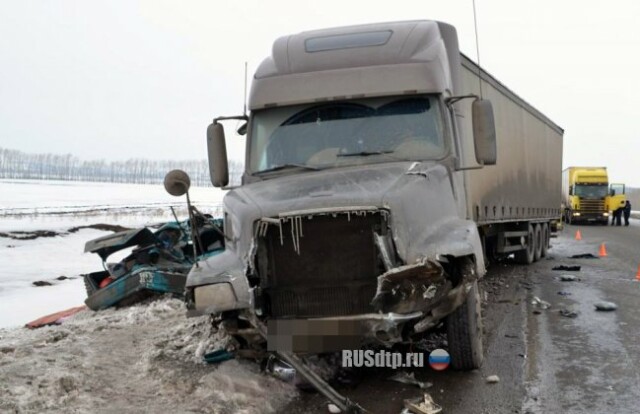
[
  {"x": 226, "y": 118},
  {"x": 454, "y": 99}
]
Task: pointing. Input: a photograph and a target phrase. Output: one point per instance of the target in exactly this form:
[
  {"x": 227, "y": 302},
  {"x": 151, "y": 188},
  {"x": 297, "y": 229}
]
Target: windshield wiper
[
  {"x": 286, "y": 166},
  {"x": 363, "y": 153}
]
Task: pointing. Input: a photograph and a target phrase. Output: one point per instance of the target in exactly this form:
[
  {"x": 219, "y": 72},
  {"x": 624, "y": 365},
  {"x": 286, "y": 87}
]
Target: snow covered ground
[
  {"x": 143, "y": 358},
  {"x": 57, "y": 206}
]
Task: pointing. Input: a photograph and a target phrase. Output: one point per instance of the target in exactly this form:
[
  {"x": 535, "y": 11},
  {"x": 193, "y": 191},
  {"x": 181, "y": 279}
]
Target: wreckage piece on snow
[
  {"x": 54, "y": 318},
  {"x": 157, "y": 265}
]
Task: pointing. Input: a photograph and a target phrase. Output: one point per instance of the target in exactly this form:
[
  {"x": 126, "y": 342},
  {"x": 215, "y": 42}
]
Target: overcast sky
[{"x": 121, "y": 79}]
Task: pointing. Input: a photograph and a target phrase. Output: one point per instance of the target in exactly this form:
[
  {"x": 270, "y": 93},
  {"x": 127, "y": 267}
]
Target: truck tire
[
  {"x": 537, "y": 239},
  {"x": 545, "y": 240},
  {"x": 527, "y": 255},
  {"x": 464, "y": 333}
]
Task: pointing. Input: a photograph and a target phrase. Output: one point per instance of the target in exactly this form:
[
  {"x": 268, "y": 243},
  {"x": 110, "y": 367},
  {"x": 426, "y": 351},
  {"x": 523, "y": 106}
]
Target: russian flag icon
[{"x": 439, "y": 359}]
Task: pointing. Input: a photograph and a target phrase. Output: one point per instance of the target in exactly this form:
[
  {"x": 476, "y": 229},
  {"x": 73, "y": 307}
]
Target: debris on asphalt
[
  {"x": 333, "y": 409},
  {"x": 511, "y": 336},
  {"x": 540, "y": 303},
  {"x": 568, "y": 278},
  {"x": 584, "y": 256},
  {"x": 423, "y": 405},
  {"x": 493, "y": 379},
  {"x": 409, "y": 378},
  {"x": 40, "y": 283},
  {"x": 563, "y": 293},
  {"x": 567, "y": 268},
  {"x": 606, "y": 306},
  {"x": 568, "y": 313}
]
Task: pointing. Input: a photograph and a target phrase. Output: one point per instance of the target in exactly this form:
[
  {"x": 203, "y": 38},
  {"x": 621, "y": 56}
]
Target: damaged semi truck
[{"x": 383, "y": 168}]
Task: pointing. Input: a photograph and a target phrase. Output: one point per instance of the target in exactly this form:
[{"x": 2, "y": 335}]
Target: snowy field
[
  {"x": 36, "y": 243},
  {"x": 142, "y": 358}
]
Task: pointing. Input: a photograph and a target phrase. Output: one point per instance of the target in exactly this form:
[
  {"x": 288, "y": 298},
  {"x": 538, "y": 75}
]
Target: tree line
[{"x": 21, "y": 165}]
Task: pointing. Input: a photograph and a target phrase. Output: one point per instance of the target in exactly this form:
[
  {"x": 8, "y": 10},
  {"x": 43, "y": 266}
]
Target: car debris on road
[
  {"x": 158, "y": 264},
  {"x": 606, "y": 306},
  {"x": 422, "y": 405},
  {"x": 404, "y": 377},
  {"x": 567, "y": 268},
  {"x": 568, "y": 313},
  {"x": 568, "y": 278}
]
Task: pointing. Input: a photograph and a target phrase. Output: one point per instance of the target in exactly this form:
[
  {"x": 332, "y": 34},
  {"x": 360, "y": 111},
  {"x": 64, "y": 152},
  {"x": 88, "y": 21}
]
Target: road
[{"x": 547, "y": 363}]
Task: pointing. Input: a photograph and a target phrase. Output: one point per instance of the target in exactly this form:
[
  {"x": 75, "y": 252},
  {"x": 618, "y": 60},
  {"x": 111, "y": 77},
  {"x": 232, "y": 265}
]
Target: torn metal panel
[
  {"x": 454, "y": 298},
  {"x": 411, "y": 288}
]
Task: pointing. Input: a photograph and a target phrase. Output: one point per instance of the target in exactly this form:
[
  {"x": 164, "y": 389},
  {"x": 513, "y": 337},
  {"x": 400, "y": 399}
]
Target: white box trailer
[
  {"x": 524, "y": 186},
  {"x": 376, "y": 181}
]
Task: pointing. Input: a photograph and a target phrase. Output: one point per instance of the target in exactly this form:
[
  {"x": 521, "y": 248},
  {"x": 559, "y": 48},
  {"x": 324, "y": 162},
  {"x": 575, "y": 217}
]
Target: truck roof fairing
[{"x": 357, "y": 61}]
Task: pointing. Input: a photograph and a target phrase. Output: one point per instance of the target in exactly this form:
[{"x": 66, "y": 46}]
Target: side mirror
[
  {"x": 177, "y": 182},
  {"x": 217, "y": 151},
  {"x": 484, "y": 132}
]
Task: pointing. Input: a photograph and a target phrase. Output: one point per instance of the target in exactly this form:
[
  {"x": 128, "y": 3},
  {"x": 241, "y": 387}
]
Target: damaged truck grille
[{"x": 320, "y": 265}]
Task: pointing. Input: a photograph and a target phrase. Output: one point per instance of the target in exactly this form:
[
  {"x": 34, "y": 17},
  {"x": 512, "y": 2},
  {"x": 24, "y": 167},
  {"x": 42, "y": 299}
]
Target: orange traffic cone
[
  {"x": 603, "y": 251},
  {"x": 578, "y": 235},
  {"x": 638, "y": 274}
]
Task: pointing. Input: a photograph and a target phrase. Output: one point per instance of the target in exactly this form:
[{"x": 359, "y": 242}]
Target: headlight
[
  {"x": 576, "y": 214},
  {"x": 605, "y": 214}
]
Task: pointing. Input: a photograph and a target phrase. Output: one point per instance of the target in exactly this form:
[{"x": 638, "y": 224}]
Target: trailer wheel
[
  {"x": 537, "y": 241},
  {"x": 527, "y": 255},
  {"x": 464, "y": 333},
  {"x": 545, "y": 240}
]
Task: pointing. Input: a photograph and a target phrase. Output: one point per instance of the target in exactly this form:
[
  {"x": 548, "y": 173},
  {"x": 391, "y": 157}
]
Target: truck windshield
[
  {"x": 363, "y": 131},
  {"x": 590, "y": 190}
]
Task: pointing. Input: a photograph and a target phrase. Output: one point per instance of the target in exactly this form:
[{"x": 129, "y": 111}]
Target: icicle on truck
[{"x": 382, "y": 169}]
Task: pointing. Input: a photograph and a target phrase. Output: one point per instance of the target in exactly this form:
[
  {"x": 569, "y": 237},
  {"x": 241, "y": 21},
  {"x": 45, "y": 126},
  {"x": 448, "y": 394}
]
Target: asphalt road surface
[{"x": 546, "y": 362}]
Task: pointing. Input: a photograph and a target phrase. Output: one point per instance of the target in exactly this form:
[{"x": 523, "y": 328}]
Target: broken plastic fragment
[
  {"x": 567, "y": 268},
  {"x": 568, "y": 313},
  {"x": 568, "y": 278},
  {"x": 409, "y": 378},
  {"x": 606, "y": 306},
  {"x": 219, "y": 355},
  {"x": 424, "y": 405},
  {"x": 333, "y": 409},
  {"x": 540, "y": 303},
  {"x": 493, "y": 379}
]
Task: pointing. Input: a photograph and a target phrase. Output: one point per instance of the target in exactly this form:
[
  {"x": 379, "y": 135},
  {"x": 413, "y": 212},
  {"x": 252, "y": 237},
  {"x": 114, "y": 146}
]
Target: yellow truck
[{"x": 587, "y": 196}]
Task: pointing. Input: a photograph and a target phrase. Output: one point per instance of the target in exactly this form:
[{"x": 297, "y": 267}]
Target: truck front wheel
[{"x": 464, "y": 333}]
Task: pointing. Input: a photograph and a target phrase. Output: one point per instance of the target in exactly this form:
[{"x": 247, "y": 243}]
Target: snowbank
[{"x": 145, "y": 358}]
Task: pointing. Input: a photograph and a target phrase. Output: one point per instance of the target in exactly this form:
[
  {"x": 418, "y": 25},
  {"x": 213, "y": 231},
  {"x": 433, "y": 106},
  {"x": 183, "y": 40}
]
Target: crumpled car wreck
[{"x": 158, "y": 263}]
